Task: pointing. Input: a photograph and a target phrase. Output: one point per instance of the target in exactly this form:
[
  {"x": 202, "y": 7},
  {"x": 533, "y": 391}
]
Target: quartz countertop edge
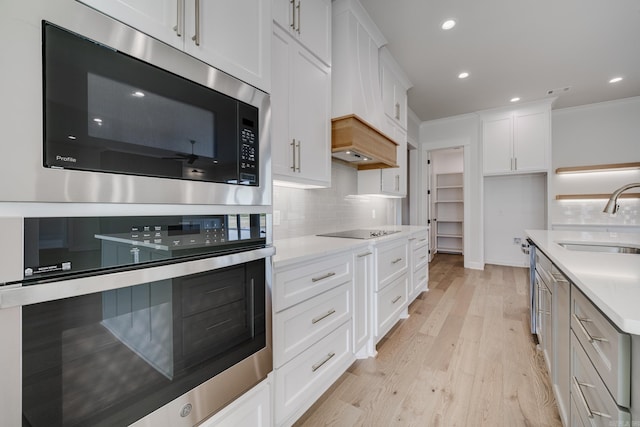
[
  {"x": 610, "y": 280},
  {"x": 307, "y": 248}
]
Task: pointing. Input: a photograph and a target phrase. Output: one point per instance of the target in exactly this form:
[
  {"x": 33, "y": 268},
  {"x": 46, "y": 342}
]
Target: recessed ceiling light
[
  {"x": 515, "y": 99},
  {"x": 463, "y": 75},
  {"x": 448, "y": 24},
  {"x": 97, "y": 120},
  {"x": 615, "y": 80},
  {"x": 138, "y": 94},
  {"x": 72, "y": 137}
]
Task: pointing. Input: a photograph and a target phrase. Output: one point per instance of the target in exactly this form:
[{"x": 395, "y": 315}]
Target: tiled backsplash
[
  {"x": 304, "y": 212},
  {"x": 589, "y": 212}
]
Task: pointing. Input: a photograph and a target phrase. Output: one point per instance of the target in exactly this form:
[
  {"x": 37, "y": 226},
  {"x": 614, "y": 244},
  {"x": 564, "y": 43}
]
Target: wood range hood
[{"x": 361, "y": 145}]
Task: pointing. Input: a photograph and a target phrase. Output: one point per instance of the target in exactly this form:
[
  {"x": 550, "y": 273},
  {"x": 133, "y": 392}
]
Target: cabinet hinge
[
  {"x": 428, "y": 161},
  {"x": 428, "y": 221},
  {"x": 428, "y": 192}
]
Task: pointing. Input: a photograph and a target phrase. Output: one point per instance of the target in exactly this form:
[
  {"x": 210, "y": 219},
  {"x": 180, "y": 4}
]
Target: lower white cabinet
[
  {"x": 300, "y": 382},
  {"x": 312, "y": 331},
  {"x": 390, "y": 303},
  {"x": 252, "y": 409},
  {"x": 419, "y": 263}
]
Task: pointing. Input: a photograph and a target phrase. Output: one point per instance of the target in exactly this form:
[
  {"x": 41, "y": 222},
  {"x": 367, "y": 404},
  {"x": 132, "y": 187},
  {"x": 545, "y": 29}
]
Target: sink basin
[{"x": 586, "y": 247}]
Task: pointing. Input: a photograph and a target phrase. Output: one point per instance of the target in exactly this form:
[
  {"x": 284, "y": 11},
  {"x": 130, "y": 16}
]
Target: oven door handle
[{"x": 18, "y": 295}]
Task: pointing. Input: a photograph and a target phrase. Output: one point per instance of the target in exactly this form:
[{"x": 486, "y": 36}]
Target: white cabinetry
[
  {"x": 391, "y": 284},
  {"x": 252, "y": 409},
  {"x": 394, "y": 89},
  {"x": 312, "y": 334},
  {"x": 362, "y": 303},
  {"x": 449, "y": 210},
  {"x": 517, "y": 141},
  {"x": 419, "y": 263},
  {"x": 389, "y": 181},
  {"x": 300, "y": 106},
  {"x": 232, "y": 35},
  {"x": 309, "y": 21}
]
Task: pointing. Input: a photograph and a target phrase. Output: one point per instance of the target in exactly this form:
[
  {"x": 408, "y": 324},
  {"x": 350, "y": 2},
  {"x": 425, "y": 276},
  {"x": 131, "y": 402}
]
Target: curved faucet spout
[{"x": 612, "y": 204}]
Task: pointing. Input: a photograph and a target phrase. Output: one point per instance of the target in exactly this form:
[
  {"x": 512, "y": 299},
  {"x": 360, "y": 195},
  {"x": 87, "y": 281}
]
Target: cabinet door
[
  {"x": 394, "y": 180},
  {"x": 157, "y": 18},
  {"x": 531, "y": 139},
  {"x": 394, "y": 97},
  {"x": 282, "y": 146},
  {"x": 309, "y": 21},
  {"x": 362, "y": 267},
  {"x": 310, "y": 116},
  {"x": 301, "y": 109},
  {"x": 234, "y": 35},
  {"x": 497, "y": 136}
]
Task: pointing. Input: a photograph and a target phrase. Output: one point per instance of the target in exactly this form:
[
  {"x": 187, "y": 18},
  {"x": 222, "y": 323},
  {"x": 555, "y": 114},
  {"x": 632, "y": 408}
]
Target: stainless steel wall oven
[{"x": 154, "y": 320}]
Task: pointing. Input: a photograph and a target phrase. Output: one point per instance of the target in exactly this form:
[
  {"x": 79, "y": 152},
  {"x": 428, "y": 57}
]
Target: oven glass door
[
  {"x": 112, "y": 357},
  {"x": 106, "y": 111}
]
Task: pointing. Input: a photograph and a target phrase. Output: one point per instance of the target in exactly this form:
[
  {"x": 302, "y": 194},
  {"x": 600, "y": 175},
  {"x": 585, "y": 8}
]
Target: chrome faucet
[{"x": 612, "y": 204}]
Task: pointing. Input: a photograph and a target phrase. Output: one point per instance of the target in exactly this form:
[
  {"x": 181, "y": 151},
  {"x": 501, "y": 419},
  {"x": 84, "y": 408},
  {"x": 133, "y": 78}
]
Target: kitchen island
[{"x": 590, "y": 340}]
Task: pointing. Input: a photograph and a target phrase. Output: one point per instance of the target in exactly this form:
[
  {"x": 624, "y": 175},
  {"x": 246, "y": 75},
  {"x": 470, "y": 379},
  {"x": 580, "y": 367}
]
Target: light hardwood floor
[{"x": 464, "y": 357}]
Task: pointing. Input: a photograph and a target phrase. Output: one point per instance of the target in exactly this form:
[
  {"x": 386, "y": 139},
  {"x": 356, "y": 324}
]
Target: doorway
[{"x": 446, "y": 200}]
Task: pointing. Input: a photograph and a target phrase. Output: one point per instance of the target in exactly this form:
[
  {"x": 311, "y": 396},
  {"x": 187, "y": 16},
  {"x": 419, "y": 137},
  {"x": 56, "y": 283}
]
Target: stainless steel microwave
[{"x": 101, "y": 112}]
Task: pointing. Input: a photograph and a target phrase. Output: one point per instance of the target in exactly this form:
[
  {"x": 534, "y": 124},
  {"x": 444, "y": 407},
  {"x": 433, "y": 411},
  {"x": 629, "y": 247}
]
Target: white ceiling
[{"x": 511, "y": 48}]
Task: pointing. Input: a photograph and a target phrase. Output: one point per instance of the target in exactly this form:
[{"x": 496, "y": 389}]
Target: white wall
[
  {"x": 460, "y": 131},
  {"x": 602, "y": 133},
  {"x": 512, "y": 204},
  {"x": 303, "y": 212}
]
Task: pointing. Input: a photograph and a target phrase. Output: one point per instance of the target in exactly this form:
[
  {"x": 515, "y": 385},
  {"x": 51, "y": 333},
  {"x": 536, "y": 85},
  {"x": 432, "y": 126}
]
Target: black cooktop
[{"x": 360, "y": 234}]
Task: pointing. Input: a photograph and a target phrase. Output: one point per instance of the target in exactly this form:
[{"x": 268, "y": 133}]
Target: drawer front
[
  {"x": 298, "y": 327},
  {"x": 301, "y": 381},
  {"x": 389, "y": 303},
  {"x": 305, "y": 280},
  {"x": 391, "y": 262},
  {"x": 608, "y": 349},
  {"x": 593, "y": 401},
  {"x": 420, "y": 258},
  {"x": 420, "y": 278},
  {"x": 419, "y": 241}
]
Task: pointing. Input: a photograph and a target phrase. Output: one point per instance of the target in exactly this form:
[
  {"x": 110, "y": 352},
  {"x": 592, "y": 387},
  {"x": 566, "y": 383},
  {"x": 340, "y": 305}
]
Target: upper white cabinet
[
  {"x": 394, "y": 89},
  {"x": 389, "y": 181},
  {"x": 300, "y": 112},
  {"x": 355, "y": 66},
  {"x": 232, "y": 35},
  {"x": 309, "y": 21},
  {"x": 517, "y": 141}
]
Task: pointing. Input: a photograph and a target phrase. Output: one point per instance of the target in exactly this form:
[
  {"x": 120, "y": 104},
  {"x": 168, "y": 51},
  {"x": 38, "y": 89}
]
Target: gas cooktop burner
[{"x": 360, "y": 234}]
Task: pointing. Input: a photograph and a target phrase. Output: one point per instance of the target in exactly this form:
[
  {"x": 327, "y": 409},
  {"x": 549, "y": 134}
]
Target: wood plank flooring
[{"x": 464, "y": 357}]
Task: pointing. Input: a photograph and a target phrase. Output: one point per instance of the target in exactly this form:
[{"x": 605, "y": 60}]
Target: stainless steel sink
[{"x": 585, "y": 247}]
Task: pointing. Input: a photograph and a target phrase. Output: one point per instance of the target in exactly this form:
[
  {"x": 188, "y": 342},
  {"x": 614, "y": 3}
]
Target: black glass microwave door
[
  {"x": 110, "y": 358},
  {"x": 109, "y": 112}
]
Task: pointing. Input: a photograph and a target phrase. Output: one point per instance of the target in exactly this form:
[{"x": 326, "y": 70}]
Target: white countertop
[
  {"x": 299, "y": 249},
  {"x": 610, "y": 280}
]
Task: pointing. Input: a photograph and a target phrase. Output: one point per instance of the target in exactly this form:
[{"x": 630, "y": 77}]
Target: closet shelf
[
  {"x": 595, "y": 196},
  {"x": 599, "y": 168}
]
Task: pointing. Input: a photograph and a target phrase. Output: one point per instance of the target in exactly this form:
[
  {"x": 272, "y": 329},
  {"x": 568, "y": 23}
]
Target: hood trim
[{"x": 351, "y": 133}]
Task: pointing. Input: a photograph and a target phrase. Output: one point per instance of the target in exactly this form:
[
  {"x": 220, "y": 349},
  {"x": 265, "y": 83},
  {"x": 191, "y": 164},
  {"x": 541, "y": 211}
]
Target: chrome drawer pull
[
  {"x": 590, "y": 338},
  {"x": 322, "y": 316},
  {"x": 423, "y": 240},
  {"x": 583, "y": 399},
  {"x": 322, "y": 362},
  {"x": 317, "y": 279},
  {"x": 364, "y": 254},
  {"x": 397, "y": 260},
  {"x": 412, "y": 238},
  {"x": 396, "y": 299}
]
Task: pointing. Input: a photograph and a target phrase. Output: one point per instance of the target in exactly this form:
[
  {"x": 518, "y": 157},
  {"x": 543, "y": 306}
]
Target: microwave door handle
[{"x": 196, "y": 37}]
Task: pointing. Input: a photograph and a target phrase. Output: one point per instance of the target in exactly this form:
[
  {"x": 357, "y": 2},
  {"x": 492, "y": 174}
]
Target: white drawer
[
  {"x": 301, "y": 381},
  {"x": 420, "y": 258},
  {"x": 592, "y": 399},
  {"x": 391, "y": 262},
  {"x": 608, "y": 348},
  {"x": 420, "y": 278},
  {"x": 305, "y": 280},
  {"x": 389, "y": 303},
  {"x": 419, "y": 241},
  {"x": 298, "y": 327}
]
